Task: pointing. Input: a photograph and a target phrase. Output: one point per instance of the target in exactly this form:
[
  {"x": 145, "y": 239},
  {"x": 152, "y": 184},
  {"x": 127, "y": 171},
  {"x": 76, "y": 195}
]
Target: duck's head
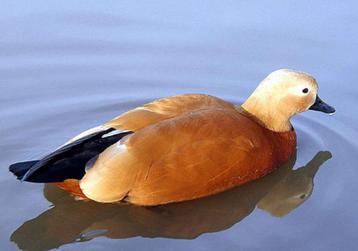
[{"x": 281, "y": 95}]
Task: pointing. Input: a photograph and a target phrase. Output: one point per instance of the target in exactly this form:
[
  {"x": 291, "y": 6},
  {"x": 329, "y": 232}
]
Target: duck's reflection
[
  {"x": 69, "y": 220},
  {"x": 293, "y": 189}
]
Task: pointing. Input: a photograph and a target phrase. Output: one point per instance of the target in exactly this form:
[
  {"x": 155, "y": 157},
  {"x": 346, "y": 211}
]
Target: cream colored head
[{"x": 281, "y": 95}]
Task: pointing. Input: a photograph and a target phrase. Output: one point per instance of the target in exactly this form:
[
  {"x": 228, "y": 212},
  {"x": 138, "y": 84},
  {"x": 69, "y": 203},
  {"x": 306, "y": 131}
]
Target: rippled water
[{"x": 65, "y": 68}]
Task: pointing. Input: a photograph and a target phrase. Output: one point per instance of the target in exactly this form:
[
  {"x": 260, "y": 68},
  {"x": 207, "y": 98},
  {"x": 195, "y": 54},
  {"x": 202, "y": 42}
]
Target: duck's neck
[{"x": 273, "y": 119}]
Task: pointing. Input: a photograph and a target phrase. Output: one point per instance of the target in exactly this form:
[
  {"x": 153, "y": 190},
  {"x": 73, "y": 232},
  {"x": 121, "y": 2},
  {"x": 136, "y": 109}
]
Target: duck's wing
[
  {"x": 186, "y": 157},
  {"x": 70, "y": 160},
  {"x": 156, "y": 111},
  {"x": 165, "y": 108}
]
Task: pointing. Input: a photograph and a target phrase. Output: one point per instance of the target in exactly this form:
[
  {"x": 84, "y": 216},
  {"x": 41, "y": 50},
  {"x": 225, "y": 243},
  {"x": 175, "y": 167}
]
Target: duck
[{"x": 182, "y": 147}]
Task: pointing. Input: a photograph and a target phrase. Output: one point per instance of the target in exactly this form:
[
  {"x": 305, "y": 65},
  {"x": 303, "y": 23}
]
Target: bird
[{"x": 182, "y": 147}]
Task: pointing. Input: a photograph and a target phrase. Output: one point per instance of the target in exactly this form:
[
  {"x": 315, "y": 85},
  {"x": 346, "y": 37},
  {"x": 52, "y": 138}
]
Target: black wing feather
[{"x": 69, "y": 161}]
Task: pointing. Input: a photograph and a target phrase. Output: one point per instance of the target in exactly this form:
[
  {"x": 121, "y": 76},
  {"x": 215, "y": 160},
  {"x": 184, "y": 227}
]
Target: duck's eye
[{"x": 305, "y": 90}]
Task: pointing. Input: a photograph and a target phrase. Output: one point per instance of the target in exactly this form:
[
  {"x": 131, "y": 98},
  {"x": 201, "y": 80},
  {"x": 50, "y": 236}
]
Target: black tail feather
[
  {"x": 68, "y": 162},
  {"x": 21, "y": 168}
]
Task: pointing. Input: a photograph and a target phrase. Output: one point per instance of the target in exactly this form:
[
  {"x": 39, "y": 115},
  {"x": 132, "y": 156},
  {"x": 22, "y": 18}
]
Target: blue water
[{"x": 66, "y": 67}]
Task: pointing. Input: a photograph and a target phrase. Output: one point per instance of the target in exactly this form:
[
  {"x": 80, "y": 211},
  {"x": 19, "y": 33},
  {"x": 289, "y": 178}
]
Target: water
[{"x": 67, "y": 67}]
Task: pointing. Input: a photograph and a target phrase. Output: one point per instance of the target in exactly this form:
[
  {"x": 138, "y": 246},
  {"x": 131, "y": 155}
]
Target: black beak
[{"x": 320, "y": 105}]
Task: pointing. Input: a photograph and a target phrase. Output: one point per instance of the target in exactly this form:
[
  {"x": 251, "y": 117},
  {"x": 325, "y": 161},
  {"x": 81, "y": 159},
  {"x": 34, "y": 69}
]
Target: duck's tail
[
  {"x": 69, "y": 161},
  {"x": 21, "y": 168}
]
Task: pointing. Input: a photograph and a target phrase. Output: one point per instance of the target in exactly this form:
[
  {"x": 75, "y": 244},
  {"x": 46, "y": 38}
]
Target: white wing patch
[
  {"x": 85, "y": 133},
  {"x": 112, "y": 133}
]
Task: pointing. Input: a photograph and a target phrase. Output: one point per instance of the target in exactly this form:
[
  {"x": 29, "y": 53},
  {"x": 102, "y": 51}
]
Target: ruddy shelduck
[{"x": 181, "y": 147}]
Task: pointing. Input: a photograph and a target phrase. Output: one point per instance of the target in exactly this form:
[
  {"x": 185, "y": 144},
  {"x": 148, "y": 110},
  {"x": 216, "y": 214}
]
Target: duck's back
[{"x": 189, "y": 156}]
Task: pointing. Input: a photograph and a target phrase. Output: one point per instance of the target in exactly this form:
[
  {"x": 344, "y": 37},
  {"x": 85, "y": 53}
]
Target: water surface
[{"x": 65, "y": 68}]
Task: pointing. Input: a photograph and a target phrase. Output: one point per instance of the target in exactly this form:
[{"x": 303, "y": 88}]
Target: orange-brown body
[{"x": 183, "y": 147}]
